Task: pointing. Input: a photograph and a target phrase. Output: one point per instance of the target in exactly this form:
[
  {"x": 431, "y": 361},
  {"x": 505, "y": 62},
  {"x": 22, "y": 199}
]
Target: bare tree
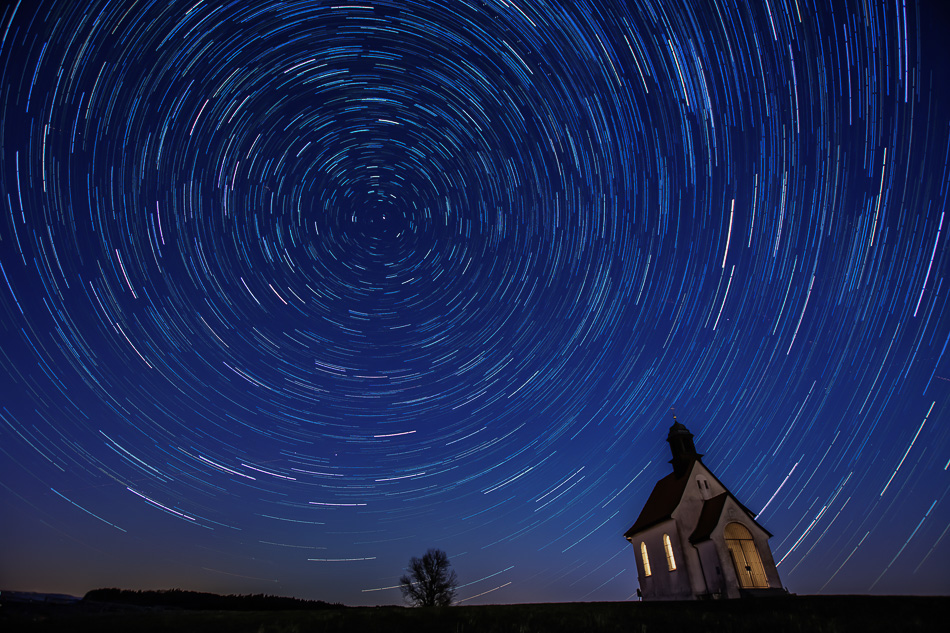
[{"x": 430, "y": 582}]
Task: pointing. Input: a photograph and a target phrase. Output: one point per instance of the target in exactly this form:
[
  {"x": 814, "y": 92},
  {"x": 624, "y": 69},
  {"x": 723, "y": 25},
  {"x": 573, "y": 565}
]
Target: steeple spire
[{"x": 682, "y": 448}]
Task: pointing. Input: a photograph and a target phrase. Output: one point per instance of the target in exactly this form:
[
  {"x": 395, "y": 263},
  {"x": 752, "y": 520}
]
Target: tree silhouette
[{"x": 430, "y": 582}]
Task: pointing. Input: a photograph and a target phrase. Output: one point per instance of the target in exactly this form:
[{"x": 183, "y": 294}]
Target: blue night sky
[{"x": 293, "y": 291}]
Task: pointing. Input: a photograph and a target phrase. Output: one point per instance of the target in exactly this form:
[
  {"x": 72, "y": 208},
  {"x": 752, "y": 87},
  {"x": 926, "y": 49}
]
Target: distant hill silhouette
[
  {"x": 36, "y": 597},
  {"x": 195, "y": 600}
]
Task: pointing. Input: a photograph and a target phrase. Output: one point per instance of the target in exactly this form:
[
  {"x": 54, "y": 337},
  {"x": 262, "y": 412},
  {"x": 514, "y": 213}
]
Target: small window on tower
[
  {"x": 668, "y": 546},
  {"x": 645, "y": 557},
  {"x": 703, "y": 485}
]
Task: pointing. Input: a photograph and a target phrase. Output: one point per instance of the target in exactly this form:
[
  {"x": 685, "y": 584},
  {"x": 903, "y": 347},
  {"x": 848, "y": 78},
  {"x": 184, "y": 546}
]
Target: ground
[{"x": 799, "y": 614}]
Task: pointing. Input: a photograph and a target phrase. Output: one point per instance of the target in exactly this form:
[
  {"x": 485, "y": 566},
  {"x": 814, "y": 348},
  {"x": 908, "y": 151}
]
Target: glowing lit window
[
  {"x": 668, "y": 546},
  {"x": 645, "y": 557}
]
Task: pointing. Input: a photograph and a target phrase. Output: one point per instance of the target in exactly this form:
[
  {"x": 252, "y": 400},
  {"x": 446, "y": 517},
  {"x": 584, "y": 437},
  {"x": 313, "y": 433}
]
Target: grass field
[{"x": 800, "y": 614}]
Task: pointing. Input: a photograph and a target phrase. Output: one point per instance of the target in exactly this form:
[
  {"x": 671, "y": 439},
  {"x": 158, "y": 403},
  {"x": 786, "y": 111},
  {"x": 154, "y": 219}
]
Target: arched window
[
  {"x": 745, "y": 556},
  {"x": 668, "y": 546},
  {"x": 645, "y": 557}
]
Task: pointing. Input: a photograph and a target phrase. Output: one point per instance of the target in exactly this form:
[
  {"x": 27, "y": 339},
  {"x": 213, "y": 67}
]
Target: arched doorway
[{"x": 746, "y": 557}]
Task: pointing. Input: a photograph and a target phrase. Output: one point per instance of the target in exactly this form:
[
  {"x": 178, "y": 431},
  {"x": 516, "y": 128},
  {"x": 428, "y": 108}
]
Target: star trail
[{"x": 293, "y": 291}]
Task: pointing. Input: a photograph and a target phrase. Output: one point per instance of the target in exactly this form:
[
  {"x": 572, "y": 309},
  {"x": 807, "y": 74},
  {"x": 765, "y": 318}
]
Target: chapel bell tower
[{"x": 682, "y": 448}]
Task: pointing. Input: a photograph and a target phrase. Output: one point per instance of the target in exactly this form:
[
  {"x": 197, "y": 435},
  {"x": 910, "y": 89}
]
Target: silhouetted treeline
[{"x": 178, "y": 598}]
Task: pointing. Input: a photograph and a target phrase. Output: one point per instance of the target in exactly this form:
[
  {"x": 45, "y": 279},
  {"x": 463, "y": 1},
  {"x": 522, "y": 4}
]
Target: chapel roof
[
  {"x": 708, "y": 518},
  {"x": 663, "y": 500},
  {"x": 710, "y": 514}
]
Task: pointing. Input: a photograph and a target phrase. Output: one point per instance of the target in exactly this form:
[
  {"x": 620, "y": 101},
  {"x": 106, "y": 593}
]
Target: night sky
[{"x": 293, "y": 291}]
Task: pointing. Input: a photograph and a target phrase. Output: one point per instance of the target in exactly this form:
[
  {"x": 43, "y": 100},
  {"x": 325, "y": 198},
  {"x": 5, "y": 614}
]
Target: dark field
[{"x": 811, "y": 614}]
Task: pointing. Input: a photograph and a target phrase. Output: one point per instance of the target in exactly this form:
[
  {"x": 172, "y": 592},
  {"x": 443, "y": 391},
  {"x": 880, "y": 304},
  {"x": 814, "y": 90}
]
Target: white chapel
[{"x": 694, "y": 540}]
